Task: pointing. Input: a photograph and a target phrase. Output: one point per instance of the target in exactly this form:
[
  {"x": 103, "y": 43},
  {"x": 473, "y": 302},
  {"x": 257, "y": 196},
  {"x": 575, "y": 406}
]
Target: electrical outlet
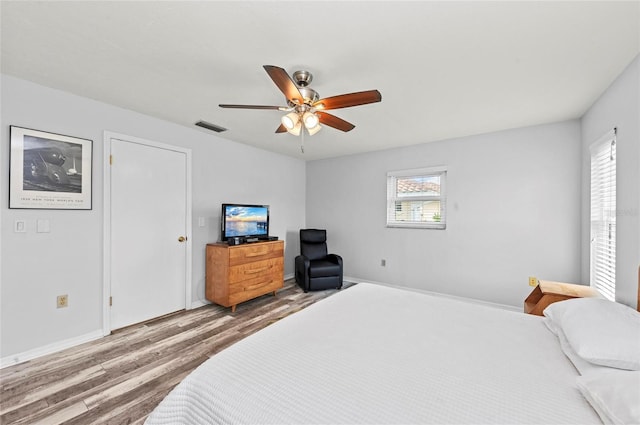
[
  {"x": 63, "y": 301},
  {"x": 383, "y": 262},
  {"x": 533, "y": 281}
]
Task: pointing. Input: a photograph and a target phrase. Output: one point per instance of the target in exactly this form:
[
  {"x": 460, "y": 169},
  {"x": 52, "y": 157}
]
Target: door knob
[{"x": 182, "y": 238}]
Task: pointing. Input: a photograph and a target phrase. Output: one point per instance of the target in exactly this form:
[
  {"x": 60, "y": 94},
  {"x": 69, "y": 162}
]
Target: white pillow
[
  {"x": 599, "y": 331},
  {"x": 579, "y": 363},
  {"x": 550, "y": 324},
  {"x": 613, "y": 394}
]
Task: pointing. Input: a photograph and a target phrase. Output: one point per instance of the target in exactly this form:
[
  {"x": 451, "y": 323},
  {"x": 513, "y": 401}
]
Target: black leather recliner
[{"x": 315, "y": 269}]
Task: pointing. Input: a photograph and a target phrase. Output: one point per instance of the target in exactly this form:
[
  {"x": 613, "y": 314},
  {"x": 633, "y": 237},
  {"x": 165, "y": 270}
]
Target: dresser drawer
[
  {"x": 243, "y": 254},
  {"x": 250, "y": 270},
  {"x": 242, "y": 291}
]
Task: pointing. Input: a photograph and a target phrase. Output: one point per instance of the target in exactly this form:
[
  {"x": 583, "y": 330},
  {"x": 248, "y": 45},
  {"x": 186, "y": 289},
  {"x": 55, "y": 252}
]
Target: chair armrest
[
  {"x": 302, "y": 271},
  {"x": 335, "y": 258},
  {"x": 302, "y": 261}
]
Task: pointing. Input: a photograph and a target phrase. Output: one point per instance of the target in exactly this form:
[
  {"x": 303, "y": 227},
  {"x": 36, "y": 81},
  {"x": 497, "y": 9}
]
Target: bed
[{"x": 372, "y": 354}]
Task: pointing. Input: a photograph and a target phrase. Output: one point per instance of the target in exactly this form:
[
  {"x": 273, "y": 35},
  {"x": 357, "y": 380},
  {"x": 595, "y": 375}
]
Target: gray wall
[
  {"x": 619, "y": 107},
  {"x": 35, "y": 267},
  {"x": 517, "y": 206},
  {"x": 513, "y": 208}
]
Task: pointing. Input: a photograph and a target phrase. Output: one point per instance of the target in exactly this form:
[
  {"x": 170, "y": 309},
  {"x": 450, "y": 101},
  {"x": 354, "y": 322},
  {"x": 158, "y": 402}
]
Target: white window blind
[
  {"x": 603, "y": 215},
  {"x": 416, "y": 198}
]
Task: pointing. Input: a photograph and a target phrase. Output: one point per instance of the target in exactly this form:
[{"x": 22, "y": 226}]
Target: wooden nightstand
[{"x": 548, "y": 292}]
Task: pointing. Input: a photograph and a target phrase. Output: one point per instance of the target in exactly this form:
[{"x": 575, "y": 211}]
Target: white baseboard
[
  {"x": 49, "y": 349},
  {"x": 358, "y": 280},
  {"x": 439, "y": 294}
]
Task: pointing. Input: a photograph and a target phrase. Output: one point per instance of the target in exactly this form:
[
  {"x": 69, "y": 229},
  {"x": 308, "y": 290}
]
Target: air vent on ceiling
[{"x": 210, "y": 126}]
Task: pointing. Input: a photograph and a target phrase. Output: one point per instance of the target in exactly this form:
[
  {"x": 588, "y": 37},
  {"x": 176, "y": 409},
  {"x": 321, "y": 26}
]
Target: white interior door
[{"x": 148, "y": 211}]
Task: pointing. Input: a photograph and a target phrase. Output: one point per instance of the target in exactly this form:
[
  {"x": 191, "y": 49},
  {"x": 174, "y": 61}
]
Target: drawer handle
[
  {"x": 258, "y": 285},
  {"x": 254, "y": 271},
  {"x": 256, "y": 254}
]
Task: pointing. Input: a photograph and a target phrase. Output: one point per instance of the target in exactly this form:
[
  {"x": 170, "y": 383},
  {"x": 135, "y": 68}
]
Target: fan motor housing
[
  {"x": 302, "y": 78},
  {"x": 309, "y": 94}
]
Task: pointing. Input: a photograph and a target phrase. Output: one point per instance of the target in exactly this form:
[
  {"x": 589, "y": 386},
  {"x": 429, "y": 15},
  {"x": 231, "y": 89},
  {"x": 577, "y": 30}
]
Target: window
[
  {"x": 603, "y": 215},
  {"x": 416, "y": 198}
]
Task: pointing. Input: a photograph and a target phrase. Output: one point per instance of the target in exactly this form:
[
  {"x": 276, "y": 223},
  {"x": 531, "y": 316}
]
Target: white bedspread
[{"x": 378, "y": 355}]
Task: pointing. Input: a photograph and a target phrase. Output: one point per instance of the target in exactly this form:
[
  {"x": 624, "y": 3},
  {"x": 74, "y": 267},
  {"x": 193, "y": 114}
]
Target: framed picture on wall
[{"x": 49, "y": 171}]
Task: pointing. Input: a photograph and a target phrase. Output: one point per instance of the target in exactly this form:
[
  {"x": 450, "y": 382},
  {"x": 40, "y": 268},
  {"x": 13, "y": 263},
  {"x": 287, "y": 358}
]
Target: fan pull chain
[{"x": 302, "y": 140}]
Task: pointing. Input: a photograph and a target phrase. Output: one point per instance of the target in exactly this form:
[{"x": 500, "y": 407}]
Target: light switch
[
  {"x": 43, "y": 226},
  {"x": 200, "y": 221},
  {"x": 20, "y": 226}
]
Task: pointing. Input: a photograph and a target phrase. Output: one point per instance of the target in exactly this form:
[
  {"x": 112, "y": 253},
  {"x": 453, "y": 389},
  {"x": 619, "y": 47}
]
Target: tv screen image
[{"x": 244, "y": 220}]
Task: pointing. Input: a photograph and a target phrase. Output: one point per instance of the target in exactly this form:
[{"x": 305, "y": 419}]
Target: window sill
[{"x": 417, "y": 226}]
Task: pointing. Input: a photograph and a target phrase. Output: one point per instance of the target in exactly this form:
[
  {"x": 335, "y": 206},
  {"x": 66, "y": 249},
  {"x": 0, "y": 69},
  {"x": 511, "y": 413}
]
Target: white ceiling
[{"x": 445, "y": 69}]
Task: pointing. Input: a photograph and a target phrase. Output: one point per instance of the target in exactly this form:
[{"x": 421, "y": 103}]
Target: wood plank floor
[{"x": 119, "y": 379}]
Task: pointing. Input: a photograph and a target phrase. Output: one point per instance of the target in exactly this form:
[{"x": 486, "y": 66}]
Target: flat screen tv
[{"x": 246, "y": 221}]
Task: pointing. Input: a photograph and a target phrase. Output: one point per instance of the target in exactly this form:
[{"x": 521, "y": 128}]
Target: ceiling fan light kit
[
  {"x": 296, "y": 130},
  {"x": 305, "y": 106},
  {"x": 314, "y": 130},
  {"x": 310, "y": 120},
  {"x": 290, "y": 120},
  {"x": 294, "y": 121}
]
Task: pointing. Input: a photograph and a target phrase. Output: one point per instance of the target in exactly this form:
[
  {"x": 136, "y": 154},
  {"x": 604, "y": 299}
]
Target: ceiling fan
[{"x": 304, "y": 106}]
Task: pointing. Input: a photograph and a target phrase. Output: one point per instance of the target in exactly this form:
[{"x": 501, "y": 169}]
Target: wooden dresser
[{"x": 241, "y": 272}]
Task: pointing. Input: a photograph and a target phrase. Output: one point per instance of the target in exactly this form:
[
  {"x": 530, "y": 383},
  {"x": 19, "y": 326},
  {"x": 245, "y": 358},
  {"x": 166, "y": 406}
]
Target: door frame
[{"x": 106, "y": 220}]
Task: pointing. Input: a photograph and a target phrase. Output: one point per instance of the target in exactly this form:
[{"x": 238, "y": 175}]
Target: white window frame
[
  {"x": 602, "y": 225},
  {"x": 392, "y": 197}
]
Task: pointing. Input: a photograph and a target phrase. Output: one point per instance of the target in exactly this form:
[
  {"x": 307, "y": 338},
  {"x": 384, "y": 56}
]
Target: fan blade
[
  {"x": 347, "y": 100},
  {"x": 224, "y": 105},
  {"x": 284, "y": 83},
  {"x": 335, "y": 122},
  {"x": 281, "y": 129}
]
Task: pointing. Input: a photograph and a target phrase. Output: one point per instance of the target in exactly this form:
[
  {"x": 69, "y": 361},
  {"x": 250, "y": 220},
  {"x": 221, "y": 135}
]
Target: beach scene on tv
[{"x": 243, "y": 221}]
